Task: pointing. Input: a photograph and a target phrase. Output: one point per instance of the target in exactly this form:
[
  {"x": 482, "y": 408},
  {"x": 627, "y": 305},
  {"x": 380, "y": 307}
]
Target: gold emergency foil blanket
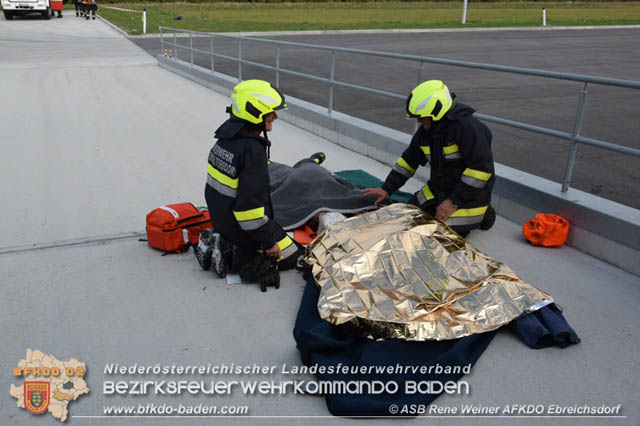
[{"x": 398, "y": 273}]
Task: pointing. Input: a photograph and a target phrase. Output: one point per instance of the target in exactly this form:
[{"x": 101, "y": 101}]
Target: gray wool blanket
[{"x": 300, "y": 192}]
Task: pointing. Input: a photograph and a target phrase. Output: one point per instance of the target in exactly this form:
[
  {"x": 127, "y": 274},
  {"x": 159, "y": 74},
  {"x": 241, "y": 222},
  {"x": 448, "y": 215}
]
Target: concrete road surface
[
  {"x": 611, "y": 113},
  {"x": 95, "y": 135}
]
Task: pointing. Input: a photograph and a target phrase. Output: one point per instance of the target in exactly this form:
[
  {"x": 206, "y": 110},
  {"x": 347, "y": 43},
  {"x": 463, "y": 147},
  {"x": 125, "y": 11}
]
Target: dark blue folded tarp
[
  {"x": 543, "y": 328},
  {"x": 324, "y": 344}
]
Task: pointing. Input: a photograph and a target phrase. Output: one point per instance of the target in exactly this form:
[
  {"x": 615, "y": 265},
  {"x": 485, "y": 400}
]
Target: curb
[
  {"x": 403, "y": 31},
  {"x": 118, "y": 29}
]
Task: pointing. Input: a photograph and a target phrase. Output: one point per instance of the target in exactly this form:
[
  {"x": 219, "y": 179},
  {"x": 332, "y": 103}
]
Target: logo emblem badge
[{"x": 36, "y": 396}]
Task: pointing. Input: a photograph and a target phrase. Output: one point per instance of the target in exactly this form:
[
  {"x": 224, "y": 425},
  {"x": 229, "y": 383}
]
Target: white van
[{"x": 13, "y": 8}]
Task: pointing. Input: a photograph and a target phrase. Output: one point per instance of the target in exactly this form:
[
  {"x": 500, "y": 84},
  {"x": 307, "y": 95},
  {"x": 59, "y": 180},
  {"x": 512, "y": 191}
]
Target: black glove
[
  {"x": 262, "y": 270},
  {"x": 271, "y": 278}
]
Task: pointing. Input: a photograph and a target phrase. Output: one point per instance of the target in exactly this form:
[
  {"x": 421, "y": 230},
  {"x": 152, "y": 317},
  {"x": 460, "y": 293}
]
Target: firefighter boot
[
  {"x": 204, "y": 249},
  {"x": 489, "y": 218},
  {"x": 318, "y": 157},
  {"x": 221, "y": 254}
]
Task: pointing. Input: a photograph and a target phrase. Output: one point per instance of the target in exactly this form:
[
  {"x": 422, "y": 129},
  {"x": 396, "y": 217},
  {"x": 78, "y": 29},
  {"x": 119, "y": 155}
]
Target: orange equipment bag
[
  {"x": 174, "y": 227},
  {"x": 548, "y": 230}
]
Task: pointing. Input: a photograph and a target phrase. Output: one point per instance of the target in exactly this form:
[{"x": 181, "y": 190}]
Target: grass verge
[{"x": 230, "y": 17}]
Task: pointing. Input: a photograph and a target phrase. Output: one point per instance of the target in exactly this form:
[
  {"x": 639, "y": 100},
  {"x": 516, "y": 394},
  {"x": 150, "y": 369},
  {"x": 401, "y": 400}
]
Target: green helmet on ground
[
  {"x": 251, "y": 100},
  {"x": 429, "y": 99}
]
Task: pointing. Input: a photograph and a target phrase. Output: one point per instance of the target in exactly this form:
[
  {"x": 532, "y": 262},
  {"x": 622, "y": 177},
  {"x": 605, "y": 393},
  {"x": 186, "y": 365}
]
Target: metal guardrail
[{"x": 574, "y": 137}]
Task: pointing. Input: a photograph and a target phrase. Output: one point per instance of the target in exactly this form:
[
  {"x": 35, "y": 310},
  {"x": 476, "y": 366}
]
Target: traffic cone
[
  {"x": 166, "y": 55},
  {"x": 170, "y": 53}
]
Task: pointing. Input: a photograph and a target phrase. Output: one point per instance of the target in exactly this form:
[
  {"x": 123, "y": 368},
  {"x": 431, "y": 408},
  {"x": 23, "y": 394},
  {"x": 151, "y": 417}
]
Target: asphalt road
[{"x": 611, "y": 114}]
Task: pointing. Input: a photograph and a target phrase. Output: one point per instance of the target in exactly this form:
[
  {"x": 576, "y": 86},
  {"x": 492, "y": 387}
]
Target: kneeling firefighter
[
  {"x": 246, "y": 239},
  {"x": 457, "y": 147}
]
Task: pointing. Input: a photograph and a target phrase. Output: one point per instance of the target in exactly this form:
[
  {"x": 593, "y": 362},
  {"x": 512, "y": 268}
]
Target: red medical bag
[{"x": 174, "y": 227}]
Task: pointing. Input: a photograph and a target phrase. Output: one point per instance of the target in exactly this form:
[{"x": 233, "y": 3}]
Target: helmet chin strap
[
  {"x": 263, "y": 126},
  {"x": 264, "y": 133}
]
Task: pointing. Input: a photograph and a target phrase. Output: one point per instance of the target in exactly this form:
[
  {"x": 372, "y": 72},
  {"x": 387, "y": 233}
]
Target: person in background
[
  {"x": 457, "y": 147},
  {"x": 90, "y": 8},
  {"x": 56, "y": 6}
]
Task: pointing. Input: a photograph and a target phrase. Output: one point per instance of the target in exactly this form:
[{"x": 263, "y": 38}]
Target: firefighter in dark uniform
[
  {"x": 246, "y": 239},
  {"x": 92, "y": 8},
  {"x": 457, "y": 147}
]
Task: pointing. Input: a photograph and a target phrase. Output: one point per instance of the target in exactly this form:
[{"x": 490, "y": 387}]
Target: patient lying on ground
[{"x": 300, "y": 194}]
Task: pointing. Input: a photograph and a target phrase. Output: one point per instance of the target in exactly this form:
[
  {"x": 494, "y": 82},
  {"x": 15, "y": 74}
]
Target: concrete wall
[{"x": 599, "y": 227}]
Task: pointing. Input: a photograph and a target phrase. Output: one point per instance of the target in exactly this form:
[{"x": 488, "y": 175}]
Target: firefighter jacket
[
  {"x": 237, "y": 191},
  {"x": 458, "y": 150}
]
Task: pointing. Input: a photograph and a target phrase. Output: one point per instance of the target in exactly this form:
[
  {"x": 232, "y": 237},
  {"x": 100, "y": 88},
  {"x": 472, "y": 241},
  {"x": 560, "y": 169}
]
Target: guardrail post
[
  {"x": 464, "y": 12},
  {"x": 574, "y": 144},
  {"x": 278, "y": 66},
  {"x": 331, "y": 78},
  {"x": 191, "y": 45},
  {"x": 175, "y": 46},
  {"x": 239, "y": 60},
  {"x": 212, "y": 68}
]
